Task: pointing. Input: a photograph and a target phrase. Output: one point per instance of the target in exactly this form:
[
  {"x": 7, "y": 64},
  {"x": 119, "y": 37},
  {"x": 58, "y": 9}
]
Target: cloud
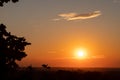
[
  {"x": 56, "y": 19},
  {"x": 75, "y": 16},
  {"x": 98, "y": 56}
]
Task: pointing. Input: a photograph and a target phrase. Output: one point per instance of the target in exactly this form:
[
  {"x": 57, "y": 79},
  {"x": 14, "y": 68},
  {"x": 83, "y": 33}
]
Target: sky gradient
[{"x": 57, "y": 27}]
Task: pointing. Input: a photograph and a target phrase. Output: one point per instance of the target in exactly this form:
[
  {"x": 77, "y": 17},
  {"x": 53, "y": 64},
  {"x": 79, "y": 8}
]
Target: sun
[{"x": 80, "y": 54}]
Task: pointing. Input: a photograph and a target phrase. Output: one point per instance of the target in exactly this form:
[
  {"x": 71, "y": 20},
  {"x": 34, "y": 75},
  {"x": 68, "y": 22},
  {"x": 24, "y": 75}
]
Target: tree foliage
[
  {"x": 11, "y": 48},
  {"x": 6, "y": 1}
]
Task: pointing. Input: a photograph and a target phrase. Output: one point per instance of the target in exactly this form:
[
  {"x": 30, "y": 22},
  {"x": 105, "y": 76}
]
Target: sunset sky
[{"x": 56, "y": 28}]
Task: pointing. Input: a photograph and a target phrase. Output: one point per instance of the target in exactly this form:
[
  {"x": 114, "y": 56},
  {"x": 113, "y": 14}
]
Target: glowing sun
[{"x": 80, "y": 54}]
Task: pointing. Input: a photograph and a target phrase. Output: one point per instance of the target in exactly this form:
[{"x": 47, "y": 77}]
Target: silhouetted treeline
[{"x": 38, "y": 74}]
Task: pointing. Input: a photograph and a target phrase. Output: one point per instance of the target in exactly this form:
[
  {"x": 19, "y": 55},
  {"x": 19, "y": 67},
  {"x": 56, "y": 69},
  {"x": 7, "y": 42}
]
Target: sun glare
[{"x": 80, "y": 54}]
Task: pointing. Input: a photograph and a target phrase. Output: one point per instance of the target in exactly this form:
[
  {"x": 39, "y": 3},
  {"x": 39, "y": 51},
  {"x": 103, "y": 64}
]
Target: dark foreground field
[{"x": 61, "y": 74}]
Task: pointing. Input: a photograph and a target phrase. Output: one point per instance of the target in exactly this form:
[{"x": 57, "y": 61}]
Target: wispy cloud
[
  {"x": 76, "y": 16},
  {"x": 98, "y": 56},
  {"x": 87, "y": 57}
]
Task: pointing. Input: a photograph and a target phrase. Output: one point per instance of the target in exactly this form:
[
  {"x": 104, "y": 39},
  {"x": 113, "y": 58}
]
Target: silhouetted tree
[
  {"x": 6, "y": 1},
  {"x": 45, "y": 66},
  {"x": 11, "y": 49}
]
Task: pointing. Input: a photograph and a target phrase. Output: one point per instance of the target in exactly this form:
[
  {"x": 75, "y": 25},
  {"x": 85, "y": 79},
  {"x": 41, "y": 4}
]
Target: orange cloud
[
  {"x": 98, "y": 56},
  {"x": 75, "y": 16}
]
